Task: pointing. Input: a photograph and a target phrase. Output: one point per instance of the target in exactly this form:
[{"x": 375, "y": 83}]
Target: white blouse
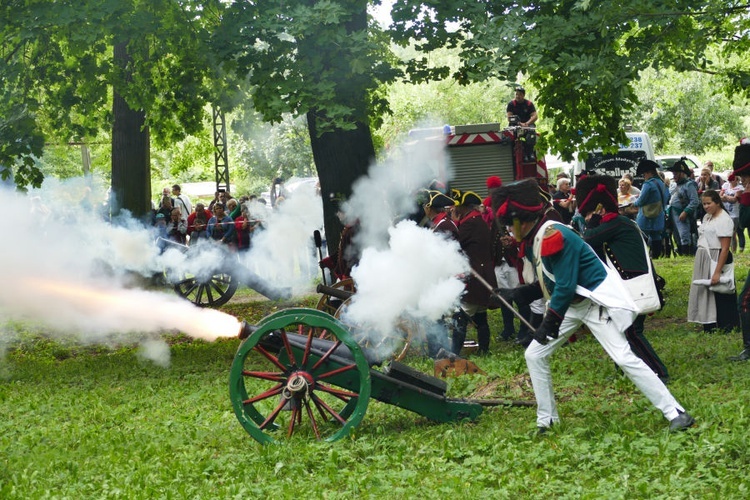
[{"x": 713, "y": 228}]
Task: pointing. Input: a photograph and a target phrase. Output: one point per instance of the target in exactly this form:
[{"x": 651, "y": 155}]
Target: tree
[
  {"x": 684, "y": 114},
  {"x": 583, "y": 57},
  {"x": 315, "y": 59},
  {"x": 59, "y": 73}
]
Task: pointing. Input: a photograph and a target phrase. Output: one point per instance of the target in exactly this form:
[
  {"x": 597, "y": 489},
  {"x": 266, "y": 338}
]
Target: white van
[{"x": 625, "y": 160}]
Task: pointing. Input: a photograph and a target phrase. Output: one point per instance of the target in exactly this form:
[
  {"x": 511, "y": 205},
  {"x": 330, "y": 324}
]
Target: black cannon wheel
[
  {"x": 280, "y": 390},
  {"x": 396, "y": 343},
  {"x": 330, "y": 304},
  {"x": 212, "y": 292}
]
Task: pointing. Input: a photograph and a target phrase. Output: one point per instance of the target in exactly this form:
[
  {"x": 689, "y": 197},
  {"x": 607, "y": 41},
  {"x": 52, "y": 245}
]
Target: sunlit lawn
[{"x": 92, "y": 422}]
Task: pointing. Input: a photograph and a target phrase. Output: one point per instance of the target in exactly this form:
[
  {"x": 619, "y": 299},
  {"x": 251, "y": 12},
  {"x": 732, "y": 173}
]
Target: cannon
[
  {"x": 299, "y": 372},
  {"x": 214, "y": 285},
  {"x": 407, "y": 335}
]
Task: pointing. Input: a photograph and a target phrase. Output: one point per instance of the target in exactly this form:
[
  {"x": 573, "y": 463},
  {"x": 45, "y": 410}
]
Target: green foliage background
[{"x": 94, "y": 422}]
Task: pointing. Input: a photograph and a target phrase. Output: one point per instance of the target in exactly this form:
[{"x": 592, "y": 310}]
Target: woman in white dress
[{"x": 712, "y": 310}]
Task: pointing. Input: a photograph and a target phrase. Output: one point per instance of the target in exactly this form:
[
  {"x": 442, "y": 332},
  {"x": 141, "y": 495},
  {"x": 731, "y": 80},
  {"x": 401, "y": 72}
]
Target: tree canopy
[{"x": 582, "y": 57}]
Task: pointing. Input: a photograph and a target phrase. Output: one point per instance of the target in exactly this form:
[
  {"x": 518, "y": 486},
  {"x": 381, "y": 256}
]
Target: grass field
[{"x": 94, "y": 422}]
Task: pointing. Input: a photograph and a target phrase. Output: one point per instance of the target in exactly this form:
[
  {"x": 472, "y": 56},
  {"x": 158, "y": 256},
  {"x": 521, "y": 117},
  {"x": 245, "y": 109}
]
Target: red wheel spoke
[
  {"x": 288, "y": 347},
  {"x": 330, "y": 410},
  {"x": 326, "y": 355},
  {"x": 337, "y": 371},
  {"x": 311, "y": 416},
  {"x": 323, "y": 334},
  {"x": 263, "y": 395},
  {"x": 276, "y": 377},
  {"x": 308, "y": 344},
  {"x": 273, "y": 359},
  {"x": 269, "y": 420},
  {"x": 292, "y": 421},
  {"x": 342, "y": 395}
]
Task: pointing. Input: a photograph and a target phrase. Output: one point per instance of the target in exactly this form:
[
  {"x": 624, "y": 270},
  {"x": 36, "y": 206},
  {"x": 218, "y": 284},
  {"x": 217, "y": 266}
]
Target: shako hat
[
  {"x": 520, "y": 200},
  {"x": 741, "y": 164},
  {"x": 680, "y": 166},
  {"x": 646, "y": 165},
  {"x": 594, "y": 190},
  {"x": 465, "y": 197}
]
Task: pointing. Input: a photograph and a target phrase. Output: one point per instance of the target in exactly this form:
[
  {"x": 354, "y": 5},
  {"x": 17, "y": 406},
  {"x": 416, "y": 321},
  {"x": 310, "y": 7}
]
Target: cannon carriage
[{"x": 300, "y": 371}]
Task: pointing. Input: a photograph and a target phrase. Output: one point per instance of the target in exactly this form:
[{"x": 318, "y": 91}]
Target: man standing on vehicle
[
  {"x": 683, "y": 205},
  {"x": 523, "y": 110}
]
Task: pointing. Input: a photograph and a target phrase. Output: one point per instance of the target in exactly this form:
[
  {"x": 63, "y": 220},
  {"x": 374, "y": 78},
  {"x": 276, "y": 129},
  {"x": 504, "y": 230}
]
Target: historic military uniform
[
  {"x": 741, "y": 166},
  {"x": 581, "y": 290},
  {"x": 476, "y": 243},
  {"x": 618, "y": 238}
]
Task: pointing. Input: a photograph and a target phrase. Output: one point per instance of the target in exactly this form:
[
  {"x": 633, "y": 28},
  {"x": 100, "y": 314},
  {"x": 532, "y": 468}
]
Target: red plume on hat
[
  {"x": 596, "y": 190},
  {"x": 494, "y": 182}
]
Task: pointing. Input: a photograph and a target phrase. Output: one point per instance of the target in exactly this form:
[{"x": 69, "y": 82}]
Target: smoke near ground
[
  {"x": 405, "y": 273},
  {"x": 67, "y": 271}
]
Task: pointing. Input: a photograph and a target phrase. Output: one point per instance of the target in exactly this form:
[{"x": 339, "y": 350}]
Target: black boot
[
  {"x": 460, "y": 324},
  {"x": 745, "y": 324},
  {"x": 509, "y": 329},
  {"x": 483, "y": 332}
]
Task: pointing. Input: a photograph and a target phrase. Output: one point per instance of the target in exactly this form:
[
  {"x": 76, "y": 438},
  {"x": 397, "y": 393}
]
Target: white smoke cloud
[
  {"x": 284, "y": 251},
  {"x": 416, "y": 276},
  {"x": 68, "y": 271},
  {"x": 405, "y": 272}
]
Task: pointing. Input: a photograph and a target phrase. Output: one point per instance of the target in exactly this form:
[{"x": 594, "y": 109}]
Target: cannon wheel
[
  {"x": 329, "y": 304},
  {"x": 285, "y": 393},
  {"x": 397, "y": 342},
  {"x": 214, "y": 292}
]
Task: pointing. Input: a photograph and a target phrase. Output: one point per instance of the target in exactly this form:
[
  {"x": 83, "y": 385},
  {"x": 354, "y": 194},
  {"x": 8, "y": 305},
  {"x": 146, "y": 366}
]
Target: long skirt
[{"x": 705, "y": 306}]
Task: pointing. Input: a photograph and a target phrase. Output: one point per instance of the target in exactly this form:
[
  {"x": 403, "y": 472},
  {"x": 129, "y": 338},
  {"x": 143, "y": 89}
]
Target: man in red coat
[{"x": 476, "y": 242}]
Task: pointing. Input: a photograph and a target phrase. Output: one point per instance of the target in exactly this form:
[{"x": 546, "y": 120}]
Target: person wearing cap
[
  {"x": 618, "y": 238},
  {"x": 741, "y": 168},
  {"x": 683, "y": 206},
  {"x": 476, "y": 243},
  {"x": 434, "y": 206},
  {"x": 504, "y": 257},
  {"x": 652, "y": 204},
  {"x": 341, "y": 262},
  {"x": 523, "y": 112},
  {"x": 580, "y": 290}
]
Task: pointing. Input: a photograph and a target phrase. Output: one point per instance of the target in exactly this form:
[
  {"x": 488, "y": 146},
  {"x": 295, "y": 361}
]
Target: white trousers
[{"x": 597, "y": 319}]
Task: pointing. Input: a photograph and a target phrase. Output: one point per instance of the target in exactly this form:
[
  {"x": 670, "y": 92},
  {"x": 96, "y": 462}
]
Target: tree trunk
[
  {"x": 131, "y": 161},
  {"x": 341, "y": 157}
]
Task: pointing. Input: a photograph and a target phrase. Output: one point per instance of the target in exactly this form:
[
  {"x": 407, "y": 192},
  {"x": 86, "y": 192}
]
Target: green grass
[{"x": 93, "y": 422}]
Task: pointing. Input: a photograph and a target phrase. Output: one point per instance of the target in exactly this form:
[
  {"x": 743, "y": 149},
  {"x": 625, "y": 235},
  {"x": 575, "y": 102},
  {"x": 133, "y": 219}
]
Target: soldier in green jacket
[{"x": 619, "y": 238}]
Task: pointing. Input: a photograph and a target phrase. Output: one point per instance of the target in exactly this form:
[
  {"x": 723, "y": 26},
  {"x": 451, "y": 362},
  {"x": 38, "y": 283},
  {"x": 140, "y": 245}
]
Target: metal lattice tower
[{"x": 221, "y": 159}]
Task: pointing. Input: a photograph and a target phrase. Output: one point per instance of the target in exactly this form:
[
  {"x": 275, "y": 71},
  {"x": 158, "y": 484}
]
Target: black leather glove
[
  {"x": 550, "y": 327},
  {"x": 526, "y": 294},
  {"x": 509, "y": 294}
]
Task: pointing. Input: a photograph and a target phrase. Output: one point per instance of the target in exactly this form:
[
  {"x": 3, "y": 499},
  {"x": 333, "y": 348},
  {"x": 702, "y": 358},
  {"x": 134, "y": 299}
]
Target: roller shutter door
[{"x": 471, "y": 165}]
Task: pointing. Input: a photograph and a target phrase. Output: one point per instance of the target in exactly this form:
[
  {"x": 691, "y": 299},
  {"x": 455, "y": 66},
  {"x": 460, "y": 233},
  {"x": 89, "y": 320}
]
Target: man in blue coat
[{"x": 652, "y": 203}]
